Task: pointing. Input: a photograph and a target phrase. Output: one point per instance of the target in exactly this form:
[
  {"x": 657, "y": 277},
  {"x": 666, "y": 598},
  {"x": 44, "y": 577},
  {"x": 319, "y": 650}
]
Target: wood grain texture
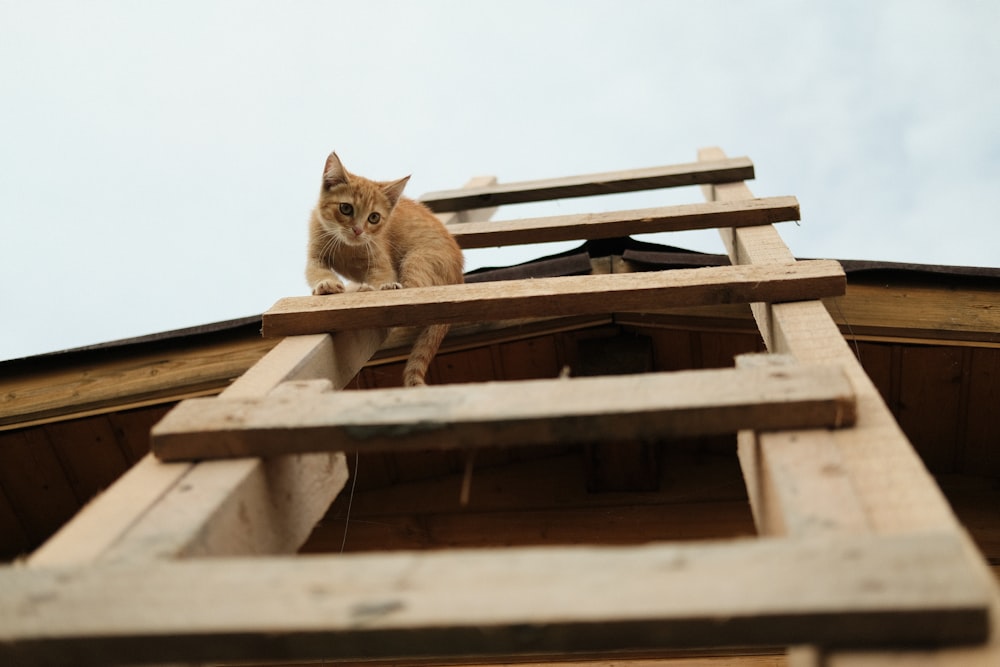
[
  {"x": 741, "y": 593},
  {"x": 159, "y": 510},
  {"x": 889, "y": 481},
  {"x": 624, "y": 223},
  {"x": 545, "y": 297},
  {"x": 695, "y": 173},
  {"x": 641, "y": 407},
  {"x": 132, "y": 379}
]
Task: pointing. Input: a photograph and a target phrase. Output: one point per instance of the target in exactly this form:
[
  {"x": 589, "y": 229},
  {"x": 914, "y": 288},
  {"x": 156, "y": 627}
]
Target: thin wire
[
  {"x": 350, "y": 501},
  {"x": 850, "y": 329}
]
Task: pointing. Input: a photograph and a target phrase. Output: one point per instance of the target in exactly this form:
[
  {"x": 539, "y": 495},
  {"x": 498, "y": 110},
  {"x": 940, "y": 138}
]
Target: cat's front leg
[
  {"x": 381, "y": 280},
  {"x": 321, "y": 279}
]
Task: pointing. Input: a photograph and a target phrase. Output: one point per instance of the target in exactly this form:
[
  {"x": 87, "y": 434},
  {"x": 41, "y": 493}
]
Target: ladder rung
[
  {"x": 852, "y": 591},
  {"x": 303, "y": 418},
  {"x": 556, "y": 297},
  {"x": 745, "y": 213},
  {"x": 695, "y": 173}
]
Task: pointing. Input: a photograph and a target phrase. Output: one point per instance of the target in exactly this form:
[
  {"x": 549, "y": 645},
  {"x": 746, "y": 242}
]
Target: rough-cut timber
[
  {"x": 250, "y": 506},
  {"x": 849, "y": 591},
  {"x": 563, "y": 296},
  {"x": 652, "y": 406},
  {"x": 696, "y": 173},
  {"x": 744, "y": 213},
  {"x": 788, "y": 473}
]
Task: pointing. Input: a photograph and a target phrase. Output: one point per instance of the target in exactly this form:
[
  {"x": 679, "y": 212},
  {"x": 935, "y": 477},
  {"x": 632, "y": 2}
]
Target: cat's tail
[{"x": 424, "y": 348}]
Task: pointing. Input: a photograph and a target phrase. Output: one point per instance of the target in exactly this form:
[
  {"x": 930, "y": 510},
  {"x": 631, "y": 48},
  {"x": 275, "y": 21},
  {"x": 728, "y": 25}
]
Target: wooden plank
[
  {"x": 615, "y": 525},
  {"x": 529, "y": 412},
  {"x": 890, "y": 482},
  {"x": 937, "y": 312},
  {"x": 928, "y": 412},
  {"x": 801, "y": 487},
  {"x": 980, "y": 455},
  {"x": 571, "y": 295},
  {"x": 677, "y": 658},
  {"x": 146, "y": 513},
  {"x": 471, "y": 215},
  {"x": 728, "y": 169},
  {"x": 109, "y": 516},
  {"x": 624, "y": 223},
  {"x": 89, "y": 454},
  {"x": 13, "y": 539},
  {"x": 30, "y": 470},
  {"x": 743, "y": 593},
  {"x": 133, "y": 379}
]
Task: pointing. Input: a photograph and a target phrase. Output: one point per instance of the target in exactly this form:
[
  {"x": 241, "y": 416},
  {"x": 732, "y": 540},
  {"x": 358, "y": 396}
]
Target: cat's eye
[
  {"x": 374, "y": 218},
  {"x": 346, "y": 209}
]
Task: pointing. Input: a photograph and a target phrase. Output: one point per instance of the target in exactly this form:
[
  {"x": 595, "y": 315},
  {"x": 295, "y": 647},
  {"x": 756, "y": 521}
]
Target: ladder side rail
[
  {"x": 895, "y": 494},
  {"x": 206, "y": 505},
  {"x": 125, "y": 520}
]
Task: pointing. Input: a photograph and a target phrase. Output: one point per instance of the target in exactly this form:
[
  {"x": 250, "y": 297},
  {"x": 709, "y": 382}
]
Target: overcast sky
[{"x": 158, "y": 159}]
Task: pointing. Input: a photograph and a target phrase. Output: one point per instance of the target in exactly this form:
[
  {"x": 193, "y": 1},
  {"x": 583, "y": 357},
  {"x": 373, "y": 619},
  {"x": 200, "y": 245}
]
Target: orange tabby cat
[{"x": 368, "y": 232}]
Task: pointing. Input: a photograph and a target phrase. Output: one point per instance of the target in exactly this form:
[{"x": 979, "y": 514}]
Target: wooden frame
[{"x": 854, "y": 502}]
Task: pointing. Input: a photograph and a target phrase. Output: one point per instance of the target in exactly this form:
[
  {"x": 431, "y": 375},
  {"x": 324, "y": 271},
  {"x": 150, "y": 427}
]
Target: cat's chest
[{"x": 357, "y": 263}]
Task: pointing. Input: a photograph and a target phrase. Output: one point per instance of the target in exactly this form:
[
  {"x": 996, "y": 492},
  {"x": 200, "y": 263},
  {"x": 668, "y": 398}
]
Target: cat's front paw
[
  {"x": 328, "y": 286},
  {"x": 368, "y": 287}
]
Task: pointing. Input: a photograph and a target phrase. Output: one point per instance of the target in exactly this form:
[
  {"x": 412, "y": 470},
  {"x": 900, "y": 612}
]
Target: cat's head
[{"x": 353, "y": 207}]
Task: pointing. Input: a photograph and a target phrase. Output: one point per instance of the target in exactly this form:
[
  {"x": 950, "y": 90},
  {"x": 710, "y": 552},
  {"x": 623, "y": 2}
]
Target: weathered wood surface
[
  {"x": 471, "y": 215},
  {"x": 695, "y": 173},
  {"x": 134, "y": 378},
  {"x": 848, "y": 591},
  {"x": 750, "y": 212},
  {"x": 532, "y": 412},
  {"x": 546, "y": 297},
  {"x": 892, "y": 489},
  {"x": 159, "y": 510}
]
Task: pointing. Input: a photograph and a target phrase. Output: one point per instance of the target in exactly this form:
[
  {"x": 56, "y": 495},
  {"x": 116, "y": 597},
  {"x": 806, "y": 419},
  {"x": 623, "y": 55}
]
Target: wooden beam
[
  {"x": 242, "y": 506},
  {"x": 801, "y": 486},
  {"x": 729, "y": 169},
  {"x": 544, "y": 297},
  {"x": 624, "y": 223},
  {"x": 512, "y": 601},
  {"x": 645, "y": 407},
  {"x": 471, "y": 215},
  {"x": 887, "y": 478},
  {"x": 132, "y": 378}
]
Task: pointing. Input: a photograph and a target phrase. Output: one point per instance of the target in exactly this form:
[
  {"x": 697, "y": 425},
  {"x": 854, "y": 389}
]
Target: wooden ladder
[{"x": 860, "y": 560}]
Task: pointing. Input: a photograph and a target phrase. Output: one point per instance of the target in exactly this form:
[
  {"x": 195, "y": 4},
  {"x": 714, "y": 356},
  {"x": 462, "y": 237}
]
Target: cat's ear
[
  {"x": 394, "y": 190},
  {"x": 334, "y": 172}
]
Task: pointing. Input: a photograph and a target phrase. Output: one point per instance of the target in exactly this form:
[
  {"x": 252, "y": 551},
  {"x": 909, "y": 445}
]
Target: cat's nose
[{"x": 357, "y": 230}]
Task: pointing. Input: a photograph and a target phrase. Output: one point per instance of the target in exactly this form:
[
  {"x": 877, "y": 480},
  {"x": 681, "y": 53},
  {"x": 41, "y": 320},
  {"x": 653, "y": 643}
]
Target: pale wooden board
[
  {"x": 801, "y": 484},
  {"x": 623, "y": 223},
  {"x": 545, "y": 297},
  {"x": 530, "y": 412},
  {"x": 165, "y": 510},
  {"x": 855, "y": 592},
  {"x": 695, "y": 173},
  {"x": 471, "y": 215},
  {"x": 890, "y": 485},
  {"x": 134, "y": 379}
]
